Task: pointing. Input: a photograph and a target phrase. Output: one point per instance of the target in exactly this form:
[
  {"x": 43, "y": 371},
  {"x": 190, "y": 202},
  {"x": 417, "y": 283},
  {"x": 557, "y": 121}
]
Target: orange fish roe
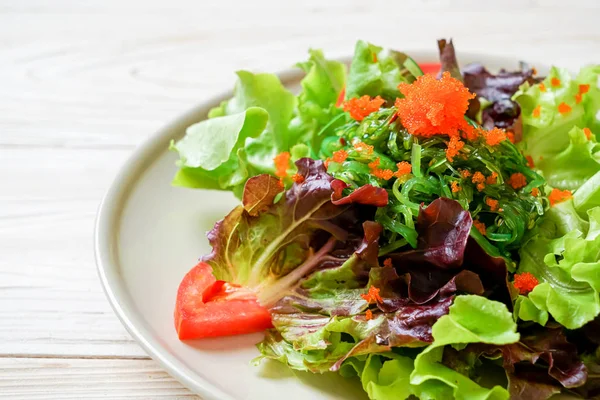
[
  {"x": 369, "y": 315},
  {"x": 433, "y": 106},
  {"x": 583, "y": 89},
  {"x": 530, "y": 163},
  {"x": 375, "y": 163},
  {"x": 588, "y": 133},
  {"x": 372, "y": 296},
  {"x": 555, "y": 82},
  {"x": 495, "y": 136},
  {"x": 455, "y": 187},
  {"x": 542, "y": 87},
  {"x": 340, "y": 156},
  {"x": 492, "y": 203},
  {"x": 558, "y": 196},
  {"x": 282, "y": 162},
  {"x": 578, "y": 98},
  {"x": 535, "y": 192},
  {"x": 525, "y": 282},
  {"x": 492, "y": 179},
  {"x": 537, "y": 112},
  {"x": 385, "y": 174},
  {"x": 480, "y": 226},
  {"x": 480, "y": 186},
  {"x": 374, "y": 57},
  {"x": 517, "y": 181},
  {"x": 465, "y": 173},
  {"x": 564, "y": 108},
  {"x": 471, "y": 134},
  {"x": 360, "y": 146},
  {"x": 511, "y": 137},
  {"x": 478, "y": 177},
  {"x": 361, "y": 107},
  {"x": 454, "y": 146},
  {"x": 298, "y": 178},
  {"x": 404, "y": 168},
  {"x": 387, "y": 262}
]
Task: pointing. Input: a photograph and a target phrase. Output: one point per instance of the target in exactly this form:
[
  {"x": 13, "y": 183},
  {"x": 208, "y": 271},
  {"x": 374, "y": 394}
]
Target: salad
[{"x": 430, "y": 230}]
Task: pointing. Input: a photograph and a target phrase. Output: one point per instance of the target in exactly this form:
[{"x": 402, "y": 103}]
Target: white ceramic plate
[{"x": 149, "y": 234}]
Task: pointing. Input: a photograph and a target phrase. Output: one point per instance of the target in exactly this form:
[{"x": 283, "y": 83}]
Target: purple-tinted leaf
[
  {"x": 408, "y": 326},
  {"x": 448, "y": 59},
  {"x": 495, "y": 87},
  {"x": 539, "y": 365},
  {"x": 272, "y": 250},
  {"x": 447, "y": 260},
  {"x": 367, "y": 194},
  {"x": 498, "y": 89},
  {"x": 259, "y": 193},
  {"x": 443, "y": 228}
]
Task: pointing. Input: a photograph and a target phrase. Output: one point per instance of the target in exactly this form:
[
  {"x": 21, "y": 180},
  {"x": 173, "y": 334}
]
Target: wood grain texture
[
  {"x": 63, "y": 379},
  {"x": 84, "y": 82}
]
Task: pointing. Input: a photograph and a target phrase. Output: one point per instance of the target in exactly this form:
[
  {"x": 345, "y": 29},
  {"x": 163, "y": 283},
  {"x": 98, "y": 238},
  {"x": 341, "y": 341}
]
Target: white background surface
[{"x": 84, "y": 82}]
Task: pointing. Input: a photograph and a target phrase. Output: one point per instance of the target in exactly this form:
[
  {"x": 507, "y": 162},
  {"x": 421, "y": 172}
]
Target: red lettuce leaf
[
  {"x": 498, "y": 89},
  {"x": 367, "y": 194},
  {"x": 416, "y": 290},
  {"x": 448, "y": 260},
  {"x": 541, "y": 364},
  {"x": 448, "y": 58},
  {"x": 269, "y": 248},
  {"x": 259, "y": 193}
]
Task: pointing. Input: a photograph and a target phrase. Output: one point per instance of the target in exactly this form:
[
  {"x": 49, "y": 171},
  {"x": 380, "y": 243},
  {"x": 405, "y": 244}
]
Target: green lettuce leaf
[
  {"x": 565, "y": 257},
  {"x": 387, "y": 377},
  {"x": 265, "y": 91},
  {"x": 554, "y": 140},
  {"x": 316, "y": 114},
  {"x": 472, "y": 319},
  {"x": 591, "y": 101},
  {"x": 573, "y": 166},
  {"x": 219, "y": 154},
  {"x": 588, "y": 195},
  {"x": 546, "y": 135},
  {"x": 211, "y": 152},
  {"x": 377, "y": 72}
]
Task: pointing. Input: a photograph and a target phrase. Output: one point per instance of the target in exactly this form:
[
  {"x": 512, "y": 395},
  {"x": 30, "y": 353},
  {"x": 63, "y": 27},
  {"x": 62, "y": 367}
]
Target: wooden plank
[
  {"x": 83, "y": 83},
  {"x": 58, "y": 379},
  {"x": 87, "y": 83},
  {"x": 51, "y": 301}
]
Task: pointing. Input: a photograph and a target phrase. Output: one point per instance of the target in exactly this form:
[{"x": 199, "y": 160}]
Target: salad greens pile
[{"x": 426, "y": 263}]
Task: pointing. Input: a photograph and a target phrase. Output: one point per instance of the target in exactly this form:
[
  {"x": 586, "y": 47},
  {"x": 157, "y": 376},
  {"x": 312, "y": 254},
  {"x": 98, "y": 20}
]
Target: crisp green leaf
[
  {"x": 526, "y": 310},
  {"x": 475, "y": 319},
  {"x": 591, "y": 100},
  {"x": 317, "y": 115},
  {"x": 573, "y": 166},
  {"x": 209, "y": 144},
  {"x": 211, "y": 153},
  {"x": 555, "y": 140},
  {"x": 565, "y": 257},
  {"x": 546, "y": 135},
  {"x": 588, "y": 195},
  {"x": 472, "y": 319},
  {"x": 377, "y": 72}
]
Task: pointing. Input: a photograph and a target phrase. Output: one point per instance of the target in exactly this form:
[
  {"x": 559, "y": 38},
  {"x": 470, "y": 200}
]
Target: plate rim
[{"x": 110, "y": 209}]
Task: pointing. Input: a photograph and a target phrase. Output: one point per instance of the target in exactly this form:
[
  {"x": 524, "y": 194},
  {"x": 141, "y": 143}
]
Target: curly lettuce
[
  {"x": 565, "y": 257},
  {"x": 398, "y": 375},
  {"x": 262, "y": 119},
  {"x": 375, "y": 71},
  {"x": 554, "y": 114}
]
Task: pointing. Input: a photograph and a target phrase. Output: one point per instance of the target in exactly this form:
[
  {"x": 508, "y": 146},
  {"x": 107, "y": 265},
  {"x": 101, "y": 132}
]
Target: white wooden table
[{"x": 84, "y": 82}]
